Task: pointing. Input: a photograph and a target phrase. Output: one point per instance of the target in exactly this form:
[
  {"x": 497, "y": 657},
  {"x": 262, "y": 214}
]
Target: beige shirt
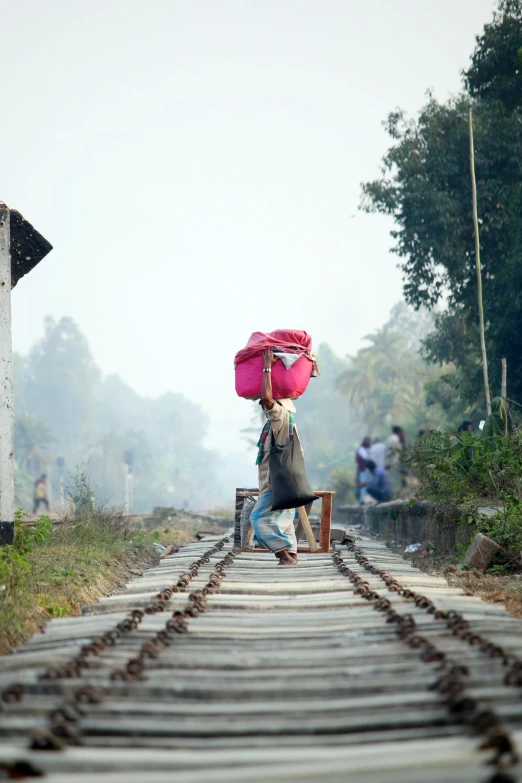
[
  {"x": 393, "y": 450},
  {"x": 279, "y": 419}
]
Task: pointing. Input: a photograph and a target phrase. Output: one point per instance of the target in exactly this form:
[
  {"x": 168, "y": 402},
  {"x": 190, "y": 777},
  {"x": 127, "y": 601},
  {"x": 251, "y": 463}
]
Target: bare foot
[{"x": 287, "y": 558}]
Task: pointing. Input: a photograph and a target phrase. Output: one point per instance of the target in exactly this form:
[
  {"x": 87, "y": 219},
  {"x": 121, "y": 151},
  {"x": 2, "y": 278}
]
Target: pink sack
[
  {"x": 291, "y": 382},
  {"x": 292, "y": 340}
]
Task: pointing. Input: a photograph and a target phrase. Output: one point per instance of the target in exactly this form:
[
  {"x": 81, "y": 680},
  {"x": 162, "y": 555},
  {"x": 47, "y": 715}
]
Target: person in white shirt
[
  {"x": 377, "y": 453},
  {"x": 362, "y": 455},
  {"x": 394, "y": 445}
]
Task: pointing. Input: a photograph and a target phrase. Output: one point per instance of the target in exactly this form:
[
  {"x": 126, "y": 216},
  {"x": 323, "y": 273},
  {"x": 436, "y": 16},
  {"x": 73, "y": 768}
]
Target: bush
[
  {"x": 452, "y": 467},
  {"x": 342, "y": 482},
  {"x": 14, "y": 562},
  {"x": 465, "y": 470}
]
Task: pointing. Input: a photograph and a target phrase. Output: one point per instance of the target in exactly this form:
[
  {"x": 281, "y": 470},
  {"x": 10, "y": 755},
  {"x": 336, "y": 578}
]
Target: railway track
[{"x": 216, "y": 665}]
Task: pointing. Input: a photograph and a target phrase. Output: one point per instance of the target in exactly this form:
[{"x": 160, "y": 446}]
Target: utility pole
[
  {"x": 21, "y": 249},
  {"x": 7, "y": 498},
  {"x": 128, "y": 459},
  {"x": 477, "y": 260},
  {"x": 61, "y": 463}
]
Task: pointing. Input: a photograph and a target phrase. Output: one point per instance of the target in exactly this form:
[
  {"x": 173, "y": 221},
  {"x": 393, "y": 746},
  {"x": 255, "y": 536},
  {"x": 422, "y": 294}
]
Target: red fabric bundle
[{"x": 291, "y": 382}]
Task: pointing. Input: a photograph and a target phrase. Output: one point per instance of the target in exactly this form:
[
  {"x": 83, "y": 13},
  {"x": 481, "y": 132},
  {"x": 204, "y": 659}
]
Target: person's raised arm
[{"x": 267, "y": 399}]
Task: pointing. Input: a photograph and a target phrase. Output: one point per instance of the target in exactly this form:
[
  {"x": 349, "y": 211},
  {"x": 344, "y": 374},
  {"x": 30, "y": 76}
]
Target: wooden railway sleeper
[
  {"x": 451, "y": 686},
  {"x": 61, "y": 717},
  {"x": 455, "y": 621}
]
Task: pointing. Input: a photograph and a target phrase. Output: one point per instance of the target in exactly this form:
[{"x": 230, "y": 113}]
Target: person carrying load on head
[{"x": 274, "y": 529}]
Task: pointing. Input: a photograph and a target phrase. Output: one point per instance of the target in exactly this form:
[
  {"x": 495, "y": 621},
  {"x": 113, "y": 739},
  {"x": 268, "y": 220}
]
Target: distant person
[
  {"x": 466, "y": 426},
  {"x": 377, "y": 487},
  {"x": 377, "y": 453},
  {"x": 394, "y": 445},
  {"x": 362, "y": 455},
  {"x": 40, "y": 493},
  {"x": 394, "y": 451},
  {"x": 421, "y": 433}
]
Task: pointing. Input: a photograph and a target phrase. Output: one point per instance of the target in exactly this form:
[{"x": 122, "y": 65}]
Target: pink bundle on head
[{"x": 290, "y": 374}]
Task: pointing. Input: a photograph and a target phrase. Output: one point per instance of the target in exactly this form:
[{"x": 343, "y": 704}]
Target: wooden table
[{"x": 325, "y": 524}]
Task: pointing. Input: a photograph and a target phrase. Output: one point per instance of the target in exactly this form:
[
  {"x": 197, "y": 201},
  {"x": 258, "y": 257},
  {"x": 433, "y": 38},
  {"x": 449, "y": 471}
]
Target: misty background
[{"x": 197, "y": 167}]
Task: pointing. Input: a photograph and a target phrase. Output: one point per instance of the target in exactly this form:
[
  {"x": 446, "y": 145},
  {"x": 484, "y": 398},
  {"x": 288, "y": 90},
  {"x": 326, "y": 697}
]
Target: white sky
[{"x": 196, "y": 165}]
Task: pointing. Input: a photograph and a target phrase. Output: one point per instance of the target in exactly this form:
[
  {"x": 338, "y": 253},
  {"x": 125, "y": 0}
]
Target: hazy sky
[{"x": 197, "y": 166}]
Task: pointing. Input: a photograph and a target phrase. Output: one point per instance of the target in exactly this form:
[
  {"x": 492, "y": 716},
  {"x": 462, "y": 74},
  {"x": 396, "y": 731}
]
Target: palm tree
[
  {"x": 32, "y": 439},
  {"x": 385, "y": 381}
]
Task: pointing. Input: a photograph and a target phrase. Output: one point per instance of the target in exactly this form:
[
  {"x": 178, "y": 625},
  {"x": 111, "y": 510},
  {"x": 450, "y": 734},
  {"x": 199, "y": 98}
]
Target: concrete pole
[
  {"x": 7, "y": 499},
  {"x": 126, "y": 480},
  {"x": 60, "y": 462},
  {"x": 131, "y": 491}
]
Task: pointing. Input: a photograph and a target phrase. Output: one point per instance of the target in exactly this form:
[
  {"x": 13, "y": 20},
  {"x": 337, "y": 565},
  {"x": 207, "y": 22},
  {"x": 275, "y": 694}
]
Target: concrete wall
[{"x": 409, "y": 523}]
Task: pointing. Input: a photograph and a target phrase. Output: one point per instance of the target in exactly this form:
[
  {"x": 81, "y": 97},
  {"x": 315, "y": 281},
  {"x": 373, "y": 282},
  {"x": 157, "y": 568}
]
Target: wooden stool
[{"x": 324, "y": 529}]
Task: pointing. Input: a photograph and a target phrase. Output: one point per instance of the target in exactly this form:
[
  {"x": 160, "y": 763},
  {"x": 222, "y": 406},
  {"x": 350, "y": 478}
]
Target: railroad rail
[{"x": 217, "y": 666}]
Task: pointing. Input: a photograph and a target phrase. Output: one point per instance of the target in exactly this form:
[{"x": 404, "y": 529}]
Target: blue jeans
[
  {"x": 365, "y": 476},
  {"x": 273, "y": 529}
]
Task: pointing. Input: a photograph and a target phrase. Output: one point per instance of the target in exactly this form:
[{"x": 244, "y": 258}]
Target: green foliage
[
  {"x": 14, "y": 562},
  {"x": 57, "y": 610},
  {"x": 342, "y": 481},
  {"x": 385, "y": 381},
  {"x": 61, "y": 384},
  {"x": 65, "y": 409},
  {"x": 325, "y": 421},
  {"x": 496, "y": 65},
  {"x": 458, "y": 389},
  {"x": 498, "y": 569},
  {"x": 51, "y": 571},
  {"x": 425, "y": 188},
  {"x": 45, "y": 570},
  {"x": 454, "y": 466},
  {"x": 469, "y": 471}
]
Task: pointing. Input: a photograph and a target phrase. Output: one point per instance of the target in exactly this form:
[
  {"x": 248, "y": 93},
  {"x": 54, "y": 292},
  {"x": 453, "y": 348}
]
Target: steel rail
[{"x": 450, "y": 683}]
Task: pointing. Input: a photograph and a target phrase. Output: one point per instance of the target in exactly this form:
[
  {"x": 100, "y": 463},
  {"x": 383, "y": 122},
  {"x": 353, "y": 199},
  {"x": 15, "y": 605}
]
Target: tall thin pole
[
  {"x": 7, "y": 499},
  {"x": 477, "y": 259},
  {"x": 126, "y": 479},
  {"x": 503, "y": 386}
]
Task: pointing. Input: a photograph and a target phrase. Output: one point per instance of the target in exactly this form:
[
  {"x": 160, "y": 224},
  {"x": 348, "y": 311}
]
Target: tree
[
  {"x": 32, "y": 440},
  {"x": 496, "y": 64},
  {"x": 325, "y": 422},
  {"x": 385, "y": 380},
  {"x": 425, "y": 187},
  {"x": 61, "y": 398},
  {"x": 61, "y": 385},
  {"x": 165, "y": 435}
]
